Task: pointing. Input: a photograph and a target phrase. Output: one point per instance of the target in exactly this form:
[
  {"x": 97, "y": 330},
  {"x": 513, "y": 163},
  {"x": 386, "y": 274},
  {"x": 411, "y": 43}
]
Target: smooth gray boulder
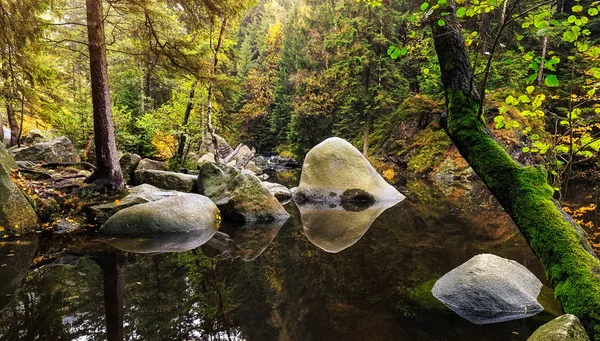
[
  {"x": 490, "y": 289},
  {"x": 335, "y": 171},
  {"x": 129, "y": 163},
  {"x": 99, "y": 214},
  {"x": 563, "y": 328},
  {"x": 240, "y": 195},
  {"x": 60, "y": 150},
  {"x": 280, "y": 192},
  {"x": 166, "y": 180},
  {"x": 184, "y": 212},
  {"x": 6, "y": 138},
  {"x": 149, "y": 164},
  {"x": 16, "y": 214}
]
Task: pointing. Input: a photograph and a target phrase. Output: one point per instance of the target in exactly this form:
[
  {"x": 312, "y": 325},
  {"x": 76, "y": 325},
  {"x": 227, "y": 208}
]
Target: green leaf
[
  {"x": 391, "y": 49},
  {"x": 441, "y": 22},
  {"x": 461, "y": 12},
  {"x": 551, "y": 81},
  {"x": 509, "y": 100},
  {"x": 499, "y": 119},
  {"x": 593, "y": 11},
  {"x": 499, "y": 125},
  {"x": 577, "y": 9},
  {"x": 526, "y": 149},
  {"x": 535, "y": 137},
  {"x": 442, "y": 2},
  {"x": 530, "y": 89},
  {"x": 555, "y": 22},
  {"x": 571, "y": 19},
  {"x": 424, "y": 6}
]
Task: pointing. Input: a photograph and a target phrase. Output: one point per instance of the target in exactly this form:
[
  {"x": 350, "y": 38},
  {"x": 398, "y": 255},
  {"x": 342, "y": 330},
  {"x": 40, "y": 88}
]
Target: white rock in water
[
  {"x": 6, "y": 140},
  {"x": 490, "y": 289},
  {"x": 335, "y": 171}
]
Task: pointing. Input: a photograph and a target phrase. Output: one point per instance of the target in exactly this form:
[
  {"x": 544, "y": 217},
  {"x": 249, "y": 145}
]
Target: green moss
[
  {"x": 431, "y": 146},
  {"x": 526, "y": 196}
]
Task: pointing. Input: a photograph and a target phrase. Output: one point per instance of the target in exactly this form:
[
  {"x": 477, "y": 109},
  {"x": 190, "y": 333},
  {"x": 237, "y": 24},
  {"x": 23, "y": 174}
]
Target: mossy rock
[
  {"x": 16, "y": 214},
  {"x": 563, "y": 328},
  {"x": 240, "y": 195}
]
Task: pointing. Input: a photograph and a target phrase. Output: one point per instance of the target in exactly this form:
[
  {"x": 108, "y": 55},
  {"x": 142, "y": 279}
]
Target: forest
[{"x": 484, "y": 113}]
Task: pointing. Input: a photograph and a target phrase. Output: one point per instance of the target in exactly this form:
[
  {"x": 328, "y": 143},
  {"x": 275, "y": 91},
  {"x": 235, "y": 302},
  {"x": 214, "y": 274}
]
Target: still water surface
[{"x": 345, "y": 274}]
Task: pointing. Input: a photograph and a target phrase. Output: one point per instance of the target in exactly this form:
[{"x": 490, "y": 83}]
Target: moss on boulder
[
  {"x": 563, "y": 328},
  {"x": 16, "y": 214}
]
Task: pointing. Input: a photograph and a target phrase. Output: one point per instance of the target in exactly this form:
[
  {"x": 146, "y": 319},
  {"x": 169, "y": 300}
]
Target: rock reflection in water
[
  {"x": 15, "y": 258},
  {"x": 247, "y": 241},
  {"x": 335, "y": 227},
  {"x": 163, "y": 242}
]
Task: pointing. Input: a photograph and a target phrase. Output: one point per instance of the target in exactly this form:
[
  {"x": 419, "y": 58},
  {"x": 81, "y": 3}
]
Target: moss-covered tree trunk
[{"x": 561, "y": 245}]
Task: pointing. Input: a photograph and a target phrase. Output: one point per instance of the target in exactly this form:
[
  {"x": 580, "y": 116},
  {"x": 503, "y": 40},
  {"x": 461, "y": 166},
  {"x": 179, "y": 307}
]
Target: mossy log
[{"x": 561, "y": 245}]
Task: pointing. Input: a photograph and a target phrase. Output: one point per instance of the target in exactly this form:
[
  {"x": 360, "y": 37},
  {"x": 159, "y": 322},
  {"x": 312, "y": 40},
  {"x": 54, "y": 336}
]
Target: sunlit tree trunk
[
  {"x": 108, "y": 173},
  {"x": 215, "y": 65},
  {"x": 560, "y": 244}
]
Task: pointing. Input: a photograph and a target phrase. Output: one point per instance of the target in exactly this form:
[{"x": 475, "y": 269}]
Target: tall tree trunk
[
  {"x": 561, "y": 245},
  {"x": 1, "y": 130},
  {"x": 108, "y": 173},
  {"x": 13, "y": 124},
  {"x": 215, "y": 65},
  {"x": 186, "y": 119},
  {"x": 366, "y": 137}
]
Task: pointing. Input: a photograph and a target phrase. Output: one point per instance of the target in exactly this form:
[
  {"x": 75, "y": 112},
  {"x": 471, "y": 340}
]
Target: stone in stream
[
  {"x": 208, "y": 147},
  {"x": 563, "y": 328},
  {"x": 335, "y": 171},
  {"x": 280, "y": 192},
  {"x": 240, "y": 195},
  {"x": 16, "y": 214},
  {"x": 183, "y": 212},
  {"x": 490, "y": 289},
  {"x": 129, "y": 163},
  {"x": 149, "y": 164},
  {"x": 166, "y": 180},
  {"x": 334, "y": 228},
  {"x": 59, "y": 150}
]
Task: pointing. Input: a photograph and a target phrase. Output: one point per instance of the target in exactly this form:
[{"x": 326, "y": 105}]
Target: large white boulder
[{"x": 335, "y": 171}]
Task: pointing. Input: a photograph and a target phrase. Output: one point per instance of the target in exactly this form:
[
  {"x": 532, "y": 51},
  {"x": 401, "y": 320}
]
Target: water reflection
[
  {"x": 163, "y": 242},
  {"x": 291, "y": 290},
  {"x": 15, "y": 259},
  {"x": 334, "y": 228}
]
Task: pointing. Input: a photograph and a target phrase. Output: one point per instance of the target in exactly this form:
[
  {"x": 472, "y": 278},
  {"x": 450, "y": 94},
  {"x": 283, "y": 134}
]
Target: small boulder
[
  {"x": 563, "y": 328},
  {"x": 6, "y": 138},
  {"x": 208, "y": 147},
  {"x": 251, "y": 166},
  {"x": 35, "y": 136},
  {"x": 184, "y": 212},
  {"x": 280, "y": 192},
  {"x": 166, "y": 180},
  {"x": 99, "y": 214},
  {"x": 60, "y": 150},
  {"x": 244, "y": 153},
  {"x": 152, "y": 165},
  {"x": 335, "y": 171},
  {"x": 129, "y": 163},
  {"x": 240, "y": 195},
  {"x": 490, "y": 289},
  {"x": 208, "y": 157}
]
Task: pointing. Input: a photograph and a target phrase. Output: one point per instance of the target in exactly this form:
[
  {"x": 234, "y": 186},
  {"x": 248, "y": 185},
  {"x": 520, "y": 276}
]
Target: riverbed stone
[
  {"x": 166, "y": 180},
  {"x": 240, "y": 195},
  {"x": 280, "y": 192},
  {"x": 150, "y": 164},
  {"x": 16, "y": 214},
  {"x": 184, "y": 212},
  {"x": 99, "y": 214},
  {"x": 563, "y": 328},
  {"x": 59, "y": 150},
  {"x": 129, "y": 163},
  {"x": 335, "y": 171},
  {"x": 490, "y": 289}
]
